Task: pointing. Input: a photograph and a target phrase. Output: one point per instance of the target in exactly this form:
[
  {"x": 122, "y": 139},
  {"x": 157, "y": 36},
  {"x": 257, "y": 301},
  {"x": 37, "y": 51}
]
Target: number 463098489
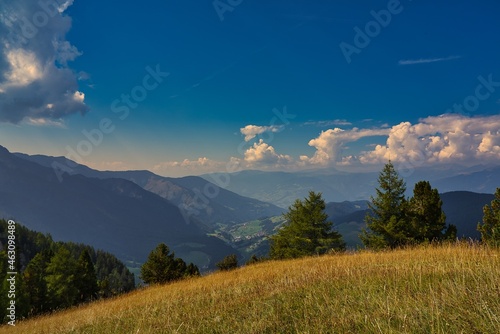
[{"x": 11, "y": 245}]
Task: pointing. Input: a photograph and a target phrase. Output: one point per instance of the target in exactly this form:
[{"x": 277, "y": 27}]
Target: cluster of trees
[
  {"x": 394, "y": 221},
  {"x": 55, "y": 275},
  {"x": 397, "y": 221},
  {"x": 230, "y": 262},
  {"x": 163, "y": 267}
]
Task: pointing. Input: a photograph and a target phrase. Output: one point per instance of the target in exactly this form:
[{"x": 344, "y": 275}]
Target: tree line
[
  {"x": 56, "y": 275},
  {"x": 397, "y": 221},
  {"x": 393, "y": 221}
]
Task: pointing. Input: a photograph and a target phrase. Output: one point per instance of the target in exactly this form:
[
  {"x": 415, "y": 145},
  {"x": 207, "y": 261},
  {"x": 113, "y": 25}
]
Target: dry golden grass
[{"x": 429, "y": 289}]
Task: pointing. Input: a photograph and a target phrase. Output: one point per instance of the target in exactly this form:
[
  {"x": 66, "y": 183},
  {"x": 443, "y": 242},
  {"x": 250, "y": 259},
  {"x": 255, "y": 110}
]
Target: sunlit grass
[{"x": 430, "y": 289}]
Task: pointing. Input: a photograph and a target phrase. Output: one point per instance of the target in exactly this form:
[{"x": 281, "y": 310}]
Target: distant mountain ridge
[
  {"x": 465, "y": 210},
  {"x": 115, "y": 215},
  {"x": 283, "y": 188},
  {"x": 202, "y": 201}
]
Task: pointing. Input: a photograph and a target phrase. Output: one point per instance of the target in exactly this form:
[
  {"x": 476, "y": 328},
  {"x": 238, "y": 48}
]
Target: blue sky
[{"x": 236, "y": 67}]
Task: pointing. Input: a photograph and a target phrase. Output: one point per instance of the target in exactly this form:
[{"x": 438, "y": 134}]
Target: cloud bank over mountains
[
  {"x": 446, "y": 138},
  {"x": 36, "y": 84},
  {"x": 449, "y": 138}
]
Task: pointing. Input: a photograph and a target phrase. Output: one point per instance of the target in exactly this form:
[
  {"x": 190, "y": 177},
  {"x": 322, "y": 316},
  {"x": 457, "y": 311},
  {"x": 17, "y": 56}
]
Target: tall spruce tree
[
  {"x": 35, "y": 284},
  {"x": 426, "y": 217},
  {"x": 60, "y": 278},
  {"x": 490, "y": 228},
  {"x": 307, "y": 231},
  {"x": 86, "y": 278},
  {"x": 387, "y": 224}
]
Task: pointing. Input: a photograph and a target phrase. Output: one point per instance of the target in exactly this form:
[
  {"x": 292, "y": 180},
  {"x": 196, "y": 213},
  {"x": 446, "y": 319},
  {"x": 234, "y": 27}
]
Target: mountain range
[
  {"x": 113, "y": 214},
  {"x": 283, "y": 188},
  {"x": 201, "y": 201},
  {"x": 129, "y": 212}
]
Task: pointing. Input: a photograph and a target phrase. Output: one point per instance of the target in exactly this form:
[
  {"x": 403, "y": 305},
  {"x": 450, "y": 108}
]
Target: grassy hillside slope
[{"x": 431, "y": 289}]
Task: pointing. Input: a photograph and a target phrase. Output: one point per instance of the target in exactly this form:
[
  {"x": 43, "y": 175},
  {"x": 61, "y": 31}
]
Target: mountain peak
[{"x": 3, "y": 150}]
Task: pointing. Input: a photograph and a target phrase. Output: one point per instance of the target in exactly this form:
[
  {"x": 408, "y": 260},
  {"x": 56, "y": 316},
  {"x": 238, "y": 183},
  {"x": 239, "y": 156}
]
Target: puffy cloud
[
  {"x": 329, "y": 143},
  {"x": 446, "y": 138},
  {"x": 263, "y": 154},
  {"x": 490, "y": 144},
  {"x": 35, "y": 81},
  {"x": 24, "y": 68},
  {"x": 251, "y": 131}
]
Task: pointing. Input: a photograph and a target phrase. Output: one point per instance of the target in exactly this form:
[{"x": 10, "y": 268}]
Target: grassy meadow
[{"x": 428, "y": 289}]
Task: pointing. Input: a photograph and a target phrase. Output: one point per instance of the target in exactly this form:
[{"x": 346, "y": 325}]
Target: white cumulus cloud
[
  {"x": 35, "y": 80},
  {"x": 330, "y": 142},
  {"x": 449, "y": 138},
  {"x": 446, "y": 138},
  {"x": 251, "y": 131},
  {"x": 264, "y": 154}
]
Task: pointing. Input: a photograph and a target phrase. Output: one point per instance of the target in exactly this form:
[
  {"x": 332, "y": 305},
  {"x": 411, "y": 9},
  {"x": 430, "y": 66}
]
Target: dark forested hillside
[{"x": 50, "y": 275}]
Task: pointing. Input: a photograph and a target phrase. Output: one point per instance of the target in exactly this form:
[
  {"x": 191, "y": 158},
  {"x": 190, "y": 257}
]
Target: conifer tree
[
  {"x": 60, "y": 278},
  {"x": 230, "y": 262},
  {"x": 306, "y": 231},
  {"x": 427, "y": 219},
  {"x": 387, "y": 224},
  {"x": 86, "y": 278},
  {"x": 35, "y": 284},
  {"x": 162, "y": 266},
  {"x": 490, "y": 228},
  {"x": 192, "y": 270}
]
